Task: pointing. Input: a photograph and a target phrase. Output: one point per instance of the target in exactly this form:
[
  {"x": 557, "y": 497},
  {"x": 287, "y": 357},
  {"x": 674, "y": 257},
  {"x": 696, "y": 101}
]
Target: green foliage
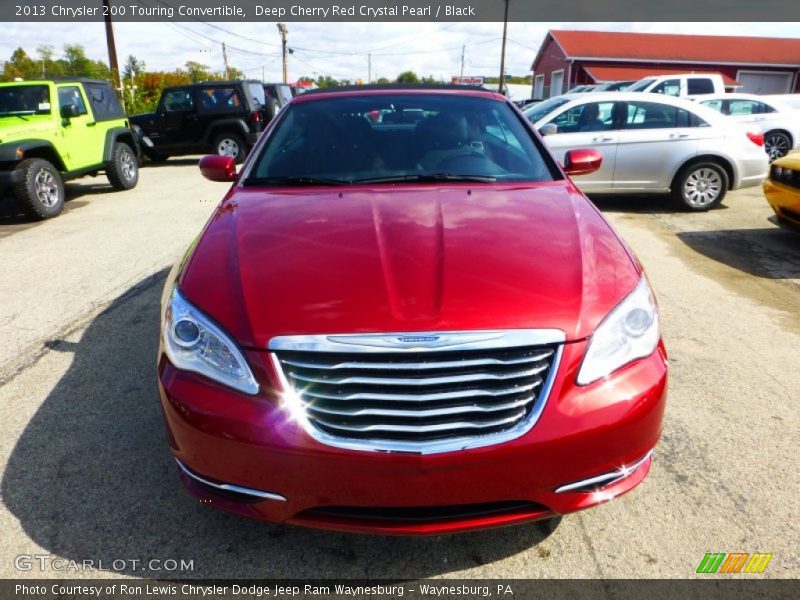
[{"x": 407, "y": 77}]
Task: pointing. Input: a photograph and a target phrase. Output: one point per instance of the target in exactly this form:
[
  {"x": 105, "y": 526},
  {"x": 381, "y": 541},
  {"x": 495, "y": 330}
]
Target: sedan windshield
[
  {"x": 540, "y": 110},
  {"x": 399, "y": 138},
  {"x": 24, "y": 100}
]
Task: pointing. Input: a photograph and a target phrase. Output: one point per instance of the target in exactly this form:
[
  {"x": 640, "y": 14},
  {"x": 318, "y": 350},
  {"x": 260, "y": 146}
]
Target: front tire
[
  {"x": 230, "y": 144},
  {"x": 776, "y": 144},
  {"x": 700, "y": 187},
  {"x": 41, "y": 192},
  {"x": 123, "y": 172}
]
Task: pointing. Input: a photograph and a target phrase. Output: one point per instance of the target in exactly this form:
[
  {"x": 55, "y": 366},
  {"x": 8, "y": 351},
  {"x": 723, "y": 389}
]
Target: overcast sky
[{"x": 337, "y": 49}]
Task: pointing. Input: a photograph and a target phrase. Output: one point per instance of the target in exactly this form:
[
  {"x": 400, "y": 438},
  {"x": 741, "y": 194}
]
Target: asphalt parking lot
[{"x": 87, "y": 476}]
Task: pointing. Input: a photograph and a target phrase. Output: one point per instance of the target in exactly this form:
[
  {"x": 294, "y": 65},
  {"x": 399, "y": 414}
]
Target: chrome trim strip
[
  {"x": 229, "y": 487},
  {"x": 427, "y": 397},
  {"x": 419, "y": 341},
  {"x": 428, "y": 412},
  {"x": 445, "y": 364},
  {"x": 608, "y": 478},
  {"x": 547, "y": 336},
  {"x": 420, "y": 382},
  {"x": 423, "y": 428}
]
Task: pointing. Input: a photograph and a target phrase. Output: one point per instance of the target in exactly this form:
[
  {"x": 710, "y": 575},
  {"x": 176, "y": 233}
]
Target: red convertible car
[{"x": 416, "y": 325}]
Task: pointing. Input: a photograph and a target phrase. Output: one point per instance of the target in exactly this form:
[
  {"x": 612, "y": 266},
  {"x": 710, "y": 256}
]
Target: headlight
[
  {"x": 194, "y": 343},
  {"x": 628, "y": 332}
]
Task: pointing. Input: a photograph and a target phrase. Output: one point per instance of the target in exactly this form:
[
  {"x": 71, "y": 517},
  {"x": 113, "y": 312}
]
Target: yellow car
[{"x": 782, "y": 188}]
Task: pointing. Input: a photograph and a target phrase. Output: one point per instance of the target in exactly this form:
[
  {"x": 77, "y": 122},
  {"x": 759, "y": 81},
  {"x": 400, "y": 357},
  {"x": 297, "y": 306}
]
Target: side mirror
[
  {"x": 582, "y": 161},
  {"x": 548, "y": 129},
  {"x": 218, "y": 168},
  {"x": 68, "y": 111}
]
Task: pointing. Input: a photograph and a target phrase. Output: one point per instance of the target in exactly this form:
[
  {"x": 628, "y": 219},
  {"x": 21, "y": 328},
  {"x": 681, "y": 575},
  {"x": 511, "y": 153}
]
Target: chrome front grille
[{"x": 416, "y": 398}]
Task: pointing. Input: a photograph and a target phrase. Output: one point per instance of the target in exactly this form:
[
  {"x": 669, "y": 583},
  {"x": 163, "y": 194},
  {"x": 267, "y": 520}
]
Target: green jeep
[{"x": 52, "y": 131}]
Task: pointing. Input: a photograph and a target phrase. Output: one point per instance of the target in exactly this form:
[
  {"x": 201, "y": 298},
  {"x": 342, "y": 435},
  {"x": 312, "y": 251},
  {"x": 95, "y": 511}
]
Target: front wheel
[
  {"x": 40, "y": 192},
  {"x": 700, "y": 187},
  {"x": 230, "y": 144},
  {"x": 123, "y": 172},
  {"x": 776, "y": 144}
]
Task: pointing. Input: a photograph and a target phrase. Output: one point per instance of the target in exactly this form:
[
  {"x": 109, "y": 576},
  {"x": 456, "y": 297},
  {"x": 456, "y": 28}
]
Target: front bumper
[
  {"x": 223, "y": 438},
  {"x": 9, "y": 177},
  {"x": 784, "y": 200}
]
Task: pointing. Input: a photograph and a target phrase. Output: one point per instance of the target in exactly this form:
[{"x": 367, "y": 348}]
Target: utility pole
[
  {"x": 284, "y": 32},
  {"x": 112, "y": 48},
  {"x": 461, "y": 79},
  {"x": 369, "y": 68},
  {"x": 503, "y": 54},
  {"x": 225, "y": 60}
]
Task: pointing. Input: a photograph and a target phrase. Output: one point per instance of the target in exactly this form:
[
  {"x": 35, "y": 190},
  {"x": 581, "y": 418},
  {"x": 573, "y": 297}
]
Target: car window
[
  {"x": 257, "y": 95},
  {"x": 641, "y": 85},
  {"x": 416, "y": 135},
  {"x": 219, "y": 99},
  {"x": 700, "y": 85},
  {"x": 284, "y": 93},
  {"x": 105, "y": 104},
  {"x": 24, "y": 99},
  {"x": 653, "y": 115},
  {"x": 748, "y": 107},
  {"x": 670, "y": 87},
  {"x": 71, "y": 94},
  {"x": 592, "y": 116},
  {"x": 541, "y": 109},
  {"x": 178, "y": 100},
  {"x": 717, "y": 105}
]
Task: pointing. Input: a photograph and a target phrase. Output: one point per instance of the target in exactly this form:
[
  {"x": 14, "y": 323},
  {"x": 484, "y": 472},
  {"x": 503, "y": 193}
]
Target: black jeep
[{"x": 225, "y": 117}]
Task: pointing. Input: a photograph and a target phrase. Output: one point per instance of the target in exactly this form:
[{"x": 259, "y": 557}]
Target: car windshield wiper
[
  {"x": 429, "y": 177},
  {"x": 294, "y": 180}
]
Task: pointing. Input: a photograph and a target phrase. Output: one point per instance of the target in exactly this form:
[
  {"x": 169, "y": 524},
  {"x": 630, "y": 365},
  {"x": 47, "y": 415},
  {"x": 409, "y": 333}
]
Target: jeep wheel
[
  {"x": 123, "y": 172},
  {"x": 230, "y": 144},
  {"x": 40, "y": 193}
]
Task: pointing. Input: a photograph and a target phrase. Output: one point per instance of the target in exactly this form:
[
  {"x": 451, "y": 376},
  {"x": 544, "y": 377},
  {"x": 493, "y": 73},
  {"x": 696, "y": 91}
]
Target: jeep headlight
[
  {"x": 193, "y": 342},
  {"x": 628, "y": 332}
]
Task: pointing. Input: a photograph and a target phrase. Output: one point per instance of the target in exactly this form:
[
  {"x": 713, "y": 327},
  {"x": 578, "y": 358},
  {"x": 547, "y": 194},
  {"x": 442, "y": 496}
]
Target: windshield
[
  {"x": 399, "y": 138},
  {"x": 640, "y": 85},
  {"x": 542, "y": 109},
  {"x": 24, "y": 100}
]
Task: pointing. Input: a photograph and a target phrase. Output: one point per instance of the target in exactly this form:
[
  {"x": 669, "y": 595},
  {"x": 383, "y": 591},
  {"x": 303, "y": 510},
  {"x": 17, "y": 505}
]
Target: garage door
[
  {"x": 556, "y": 83},
  {"x": 764, "y": 83}
]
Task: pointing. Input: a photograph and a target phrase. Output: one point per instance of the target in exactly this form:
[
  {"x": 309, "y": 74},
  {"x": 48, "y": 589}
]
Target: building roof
[
  {"x": 626, "y": 73},
  {"x": 678, "y": 48}
]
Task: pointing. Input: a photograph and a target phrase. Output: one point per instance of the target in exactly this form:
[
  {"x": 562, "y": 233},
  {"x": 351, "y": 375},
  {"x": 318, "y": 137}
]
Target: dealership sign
[{"x": 467, "y": 80}]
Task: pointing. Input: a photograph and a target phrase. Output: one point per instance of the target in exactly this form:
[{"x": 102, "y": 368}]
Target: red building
[{"x": 749, "y": 64}]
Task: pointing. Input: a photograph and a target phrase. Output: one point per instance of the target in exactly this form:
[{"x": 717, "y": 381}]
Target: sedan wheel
[
  {"x": 700, "y": 187},
  {"x": 777, "y": 145}
]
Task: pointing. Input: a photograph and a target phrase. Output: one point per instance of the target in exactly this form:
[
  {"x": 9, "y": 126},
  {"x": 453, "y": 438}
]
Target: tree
[
  {"x": 382, "y": 80},
  {"x": 197, "y": 71},
  {"x": 407, "y": 77},
  {"x": 133, "y": 66},
  {"x": 46, "y": 53},
  {"x": 20, "y": 65}
]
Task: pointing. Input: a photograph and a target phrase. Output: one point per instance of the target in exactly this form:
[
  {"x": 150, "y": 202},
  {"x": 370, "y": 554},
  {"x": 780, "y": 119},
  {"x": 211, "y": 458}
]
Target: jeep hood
[
  {"x": 15, "y": 128},
  {"x": 407, "y": 258}
]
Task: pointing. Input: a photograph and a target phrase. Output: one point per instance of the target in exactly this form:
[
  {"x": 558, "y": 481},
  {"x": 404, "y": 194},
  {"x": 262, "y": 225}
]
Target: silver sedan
[{"x": 654, "y": 144}]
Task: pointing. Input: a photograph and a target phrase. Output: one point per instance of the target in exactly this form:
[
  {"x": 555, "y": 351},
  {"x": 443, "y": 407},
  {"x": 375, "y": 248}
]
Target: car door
[
  {"x": 587, "y": 125},
  {"x": 655, "y": 139},
  {"x": 176, "y": 119},
  {"x": 84, "y": 141}
]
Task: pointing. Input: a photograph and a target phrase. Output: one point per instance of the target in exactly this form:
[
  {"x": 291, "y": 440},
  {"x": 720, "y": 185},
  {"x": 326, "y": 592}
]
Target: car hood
[
  {"x": 407, "y": 259},
  {"x": 13, "y": 128}
]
